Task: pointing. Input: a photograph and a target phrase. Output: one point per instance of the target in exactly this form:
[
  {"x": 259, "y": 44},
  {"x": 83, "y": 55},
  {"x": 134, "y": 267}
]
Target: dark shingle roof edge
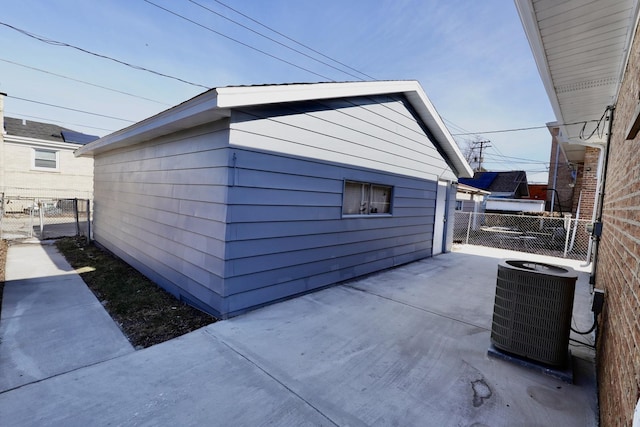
[{"x": 44, "y": 131}]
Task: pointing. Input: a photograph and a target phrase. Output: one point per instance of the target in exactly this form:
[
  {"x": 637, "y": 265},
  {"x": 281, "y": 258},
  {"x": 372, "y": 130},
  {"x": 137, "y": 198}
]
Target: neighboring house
[
  {"x": 537, "y": 191},
  {"x": 508, "y": 185},
  {"x": 243, "y": 196},
  {"x": 37, "y": 161},
  {"x": 509, "y": 191},
  {"x": 588, "y": 55},
  {"x": 470, "y": 199},
  {"x": 573, "y": 176}
]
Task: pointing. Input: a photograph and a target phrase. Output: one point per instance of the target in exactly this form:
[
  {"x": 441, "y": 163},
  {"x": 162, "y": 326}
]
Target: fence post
[
  {"x": 468, "y": 228},
  {"x": 75, "y": 211},
  {"x": 567, "y": 228},
  {"x": 41, "y": 211},
  {"x": 88, "y": 220}
]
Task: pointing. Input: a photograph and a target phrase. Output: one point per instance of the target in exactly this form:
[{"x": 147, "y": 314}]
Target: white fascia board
[
  {"x": 40, "y": 143},
  {"x": 242, "y": 96},
  {"x": 530, "y": 24},
  {"x": 196, "y": 111},
  {"x": 432, "y": 119}
]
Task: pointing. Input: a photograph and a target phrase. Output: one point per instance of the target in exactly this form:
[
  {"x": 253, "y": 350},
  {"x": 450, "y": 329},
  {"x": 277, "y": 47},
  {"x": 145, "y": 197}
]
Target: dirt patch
[
  {"x": 3, "y": 262},
  {"x": 146, "y": 313}
]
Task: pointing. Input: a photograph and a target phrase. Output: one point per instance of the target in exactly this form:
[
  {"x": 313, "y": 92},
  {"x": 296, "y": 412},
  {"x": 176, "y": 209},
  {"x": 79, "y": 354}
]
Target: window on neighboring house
[
  {"x": 361, "y": 198},
  {"x": 458, "y": 205},
  {"x": 45, "y": 159}
]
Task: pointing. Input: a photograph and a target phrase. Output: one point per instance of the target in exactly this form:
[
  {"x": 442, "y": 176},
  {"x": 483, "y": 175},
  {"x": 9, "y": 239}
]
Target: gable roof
[
  {"x": 513, "y": 182},
  {"x": 44, "y": 131},
  {"x": 217, "y": 103}
]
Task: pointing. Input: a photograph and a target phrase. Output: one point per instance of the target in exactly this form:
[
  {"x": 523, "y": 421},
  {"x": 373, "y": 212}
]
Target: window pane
[
  {"x": 45, "y": 159},
  {"x": 380, "y": 199},
  {"x": 355, "y": 198}
]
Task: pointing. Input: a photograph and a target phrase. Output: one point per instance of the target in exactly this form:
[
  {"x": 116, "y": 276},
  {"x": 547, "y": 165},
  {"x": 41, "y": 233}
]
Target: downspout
[
  {"x": 555, "y": 174},
  {"x": 597, "y": 226}
]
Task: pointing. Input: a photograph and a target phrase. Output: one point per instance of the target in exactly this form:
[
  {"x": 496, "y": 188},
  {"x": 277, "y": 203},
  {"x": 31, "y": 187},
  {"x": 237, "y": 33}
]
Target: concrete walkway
[
  {"x": 50, "y": 323},
  {"x": 404, "y": 347}
]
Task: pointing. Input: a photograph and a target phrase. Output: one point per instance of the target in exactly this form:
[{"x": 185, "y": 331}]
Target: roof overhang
[
  {"x": 581, "y": 50},
  {"x": 463, "y": 188},
  {"x": 217, "y": 103},
  {"x": 43, "y": 143}
]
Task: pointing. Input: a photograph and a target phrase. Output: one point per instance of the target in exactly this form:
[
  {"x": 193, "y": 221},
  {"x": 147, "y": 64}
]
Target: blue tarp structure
[
  {"x": 482, "y": 181},
  {"x": 77, "y": 137}
]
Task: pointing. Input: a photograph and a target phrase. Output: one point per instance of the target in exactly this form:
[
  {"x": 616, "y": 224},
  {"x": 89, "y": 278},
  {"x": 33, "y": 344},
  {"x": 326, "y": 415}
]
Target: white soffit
[{"x": 581, "y": 49}]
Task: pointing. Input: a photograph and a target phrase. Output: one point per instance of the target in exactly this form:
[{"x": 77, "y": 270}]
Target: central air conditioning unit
[{"x": 532, "y": 311}]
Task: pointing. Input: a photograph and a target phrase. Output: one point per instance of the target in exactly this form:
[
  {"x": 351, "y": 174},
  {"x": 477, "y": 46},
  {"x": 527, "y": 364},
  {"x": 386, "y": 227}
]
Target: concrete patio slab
[
  {"x": 194, "y": 380},
  {"x": 403, "y": 347}
]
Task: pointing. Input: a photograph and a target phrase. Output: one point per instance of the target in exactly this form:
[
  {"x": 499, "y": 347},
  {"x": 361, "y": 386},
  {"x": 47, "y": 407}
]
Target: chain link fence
[
  {"x": 43, "y": 218},
  {"x": 553, "y": 236}
]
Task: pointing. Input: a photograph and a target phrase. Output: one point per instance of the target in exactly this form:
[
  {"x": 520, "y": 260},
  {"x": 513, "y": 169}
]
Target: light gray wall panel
[
  {"x": 356, "y": 131},
  {"x": 256, "y": 230},
  {"x": 160, "y": 205}
]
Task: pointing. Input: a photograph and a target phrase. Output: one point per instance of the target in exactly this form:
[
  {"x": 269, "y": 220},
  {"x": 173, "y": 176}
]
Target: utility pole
[{"x": 480, "y": 159}]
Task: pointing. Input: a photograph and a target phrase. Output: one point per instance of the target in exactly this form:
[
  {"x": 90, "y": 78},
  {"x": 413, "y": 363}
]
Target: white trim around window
[{"x": 45, "y": 160}]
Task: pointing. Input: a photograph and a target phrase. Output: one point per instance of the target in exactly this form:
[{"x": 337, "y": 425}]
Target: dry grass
[{"x": 147, "y": 314}]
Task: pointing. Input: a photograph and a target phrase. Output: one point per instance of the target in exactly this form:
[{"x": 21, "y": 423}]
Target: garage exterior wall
[
  {"x": 286, "y": 233},
  {"x": 160, "y": 206},
  {"x": 618, "y": 268},
  {"x": 248, "y": 210}
]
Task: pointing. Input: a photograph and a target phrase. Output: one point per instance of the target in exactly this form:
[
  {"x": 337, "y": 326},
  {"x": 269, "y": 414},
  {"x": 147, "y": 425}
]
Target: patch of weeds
[
  {"x": 3, "y": 262},
  {"x": 146, "y": 313}
]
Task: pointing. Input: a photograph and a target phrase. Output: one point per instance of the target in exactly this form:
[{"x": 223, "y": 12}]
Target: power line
[
  {"x": 274, "y": 40},
  {"x": 136, "y": 67},
  {"x": 237, "y": 41},
  {"x": 293, "y": 40},
  {"x": 82, "y": 81},
  {"x": 518, "y": 158},
  {"x": 521, "y": 129},
  {"x": 70, "y": 109}
]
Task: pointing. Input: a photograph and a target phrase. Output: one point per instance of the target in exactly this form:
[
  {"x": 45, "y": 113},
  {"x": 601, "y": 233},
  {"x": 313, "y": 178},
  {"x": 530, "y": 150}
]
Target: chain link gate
[{"x": 44, "y": 218}]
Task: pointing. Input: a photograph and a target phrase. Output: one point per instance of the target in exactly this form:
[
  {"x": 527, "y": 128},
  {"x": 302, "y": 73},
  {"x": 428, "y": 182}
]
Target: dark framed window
[{"x": 363, "y": 198}]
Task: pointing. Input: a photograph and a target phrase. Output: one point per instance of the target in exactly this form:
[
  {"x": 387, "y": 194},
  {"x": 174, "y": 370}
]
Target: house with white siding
[
  {"x": 246, "y": 195},
  {"x": 37, "y": 161}
]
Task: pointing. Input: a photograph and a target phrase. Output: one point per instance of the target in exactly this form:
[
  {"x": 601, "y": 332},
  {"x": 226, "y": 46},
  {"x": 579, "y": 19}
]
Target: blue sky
[{"x": 471, "y": 57}]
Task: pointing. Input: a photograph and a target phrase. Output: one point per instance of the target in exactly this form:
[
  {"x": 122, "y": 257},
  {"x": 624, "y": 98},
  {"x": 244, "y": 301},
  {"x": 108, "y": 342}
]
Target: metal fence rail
[
  {"x": 44, "y": 218},
  {"x": 559, "y": 237}
]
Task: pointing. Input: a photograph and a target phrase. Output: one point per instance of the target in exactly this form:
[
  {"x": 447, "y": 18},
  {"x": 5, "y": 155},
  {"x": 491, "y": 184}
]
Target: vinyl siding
[
  {"x": 248, "y": 210},
  {"x": 73, "y": 177},
  {"x": 378, "y": 133},
  {"x": 286, "y": 234},
  {"x": 161, "y": 206}
]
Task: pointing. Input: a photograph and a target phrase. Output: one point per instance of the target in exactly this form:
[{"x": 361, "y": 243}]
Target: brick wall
[
  {"x": 588, "y": 176},
  {"x": 618, "y": 269}
]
